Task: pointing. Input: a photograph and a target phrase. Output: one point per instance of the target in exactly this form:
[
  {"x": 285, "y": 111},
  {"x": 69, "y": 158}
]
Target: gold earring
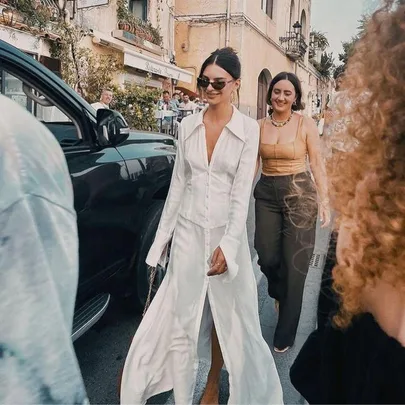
[{"x": 233, "y": 97}]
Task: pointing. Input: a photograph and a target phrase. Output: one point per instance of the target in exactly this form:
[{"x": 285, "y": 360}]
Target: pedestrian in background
[
  {"x": 181, "y": 97},
  {"x": 105, "y": 100},
  {"x": 206, "y": 306},
  {"x": 360, "y": 359},
  {"x": 283, "y": 240},
  {"x": 166, "y": 103},
  {"x": 169, "y": 122},
  {"x": 188, "y": 105},
  {"x": 176, "y": 99},
  {"x": 38, "y": 265}
]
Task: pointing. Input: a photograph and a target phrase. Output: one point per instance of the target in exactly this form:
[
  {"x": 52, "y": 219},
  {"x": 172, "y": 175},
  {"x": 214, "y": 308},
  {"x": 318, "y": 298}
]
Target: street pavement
[{"x": 101, "y": 352}]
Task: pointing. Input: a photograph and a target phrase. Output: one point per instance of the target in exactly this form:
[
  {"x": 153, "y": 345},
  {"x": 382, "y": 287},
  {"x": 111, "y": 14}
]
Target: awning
[
  {"x": 187, "y": 91},
  {"x": 129, "y": 77},
  {"x": 25, "y": 41},
  {"x": 148, "y": 64},
  {"x": 137, "y": 60}
]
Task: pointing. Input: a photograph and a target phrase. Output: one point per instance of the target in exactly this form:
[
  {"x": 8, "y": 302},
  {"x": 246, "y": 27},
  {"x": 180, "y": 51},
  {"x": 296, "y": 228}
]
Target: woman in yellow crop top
[{"x": 285, "y": 194}]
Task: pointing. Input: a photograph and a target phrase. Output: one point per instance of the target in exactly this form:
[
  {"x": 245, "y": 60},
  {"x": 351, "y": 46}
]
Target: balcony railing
[
  {"x": 30, "y": 15},
  {"x": 141, "y": 29},
  {"x": 294, "y": 45}
]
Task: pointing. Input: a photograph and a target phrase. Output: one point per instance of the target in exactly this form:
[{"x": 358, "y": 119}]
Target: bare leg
[{"x": 211, "y": 393}]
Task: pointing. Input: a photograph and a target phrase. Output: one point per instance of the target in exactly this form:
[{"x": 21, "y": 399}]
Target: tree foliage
[
  {"x": 349, "y": 46},
  {"x": 82, "y": 69},
  {"x": 34, "y": 13},
  {"x": 320, "y": 39},
  {"x": 137, "y": 103},
  {"x": 89, "y": 72},
  {"x": 338, "y": 71},
  {"x": 326, "y": 65}
]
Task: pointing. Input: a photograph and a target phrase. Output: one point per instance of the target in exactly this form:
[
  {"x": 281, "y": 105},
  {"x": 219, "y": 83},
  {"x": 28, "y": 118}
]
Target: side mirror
[{"x": 112, "y": 129}]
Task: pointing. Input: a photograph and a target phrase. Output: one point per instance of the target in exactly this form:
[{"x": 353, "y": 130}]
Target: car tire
[{"x": 147, "y": 237}]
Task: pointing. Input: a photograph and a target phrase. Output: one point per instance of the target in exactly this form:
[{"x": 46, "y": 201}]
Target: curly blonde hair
[{"x": 368, "y": 180}]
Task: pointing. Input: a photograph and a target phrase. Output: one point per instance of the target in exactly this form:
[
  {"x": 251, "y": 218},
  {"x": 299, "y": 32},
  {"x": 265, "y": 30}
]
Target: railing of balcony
[
  {"x": 29, "y": 15},
  {"x": 294, "y": 44}
]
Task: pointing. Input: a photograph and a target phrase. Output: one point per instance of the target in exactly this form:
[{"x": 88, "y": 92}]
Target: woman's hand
[
  {"x": 324, "y": 213},
  {"x": 218, "y": 263}
]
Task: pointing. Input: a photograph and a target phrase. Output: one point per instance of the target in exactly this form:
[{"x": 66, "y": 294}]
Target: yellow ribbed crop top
[{"x": 284, "y": 159}]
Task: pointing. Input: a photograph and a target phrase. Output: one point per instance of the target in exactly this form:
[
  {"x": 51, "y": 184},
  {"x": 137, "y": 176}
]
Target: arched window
[
  {"x": 292, "y": 15},
  {"x": 139, "y": 8},
  {"x": 270, "y": 8},
  {"x": 263, "y": 84},
  {"x": 304, "y": 24}
]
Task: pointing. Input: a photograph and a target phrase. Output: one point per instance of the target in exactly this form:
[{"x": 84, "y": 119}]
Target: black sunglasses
[{"x": 203, "y": 82}]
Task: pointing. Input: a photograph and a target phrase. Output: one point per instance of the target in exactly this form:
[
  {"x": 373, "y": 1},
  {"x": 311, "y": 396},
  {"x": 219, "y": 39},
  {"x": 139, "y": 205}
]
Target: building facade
[
  {"x": 270, "y": 36},
  {"x": 134, "y": 39},
  {"x": 139, "y": 32},
  {"x": 36, "y": 44}
]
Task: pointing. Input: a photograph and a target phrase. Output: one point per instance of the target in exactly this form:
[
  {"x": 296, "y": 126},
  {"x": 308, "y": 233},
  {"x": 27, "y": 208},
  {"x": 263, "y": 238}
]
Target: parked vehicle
[{"x": 120, "y": 180}]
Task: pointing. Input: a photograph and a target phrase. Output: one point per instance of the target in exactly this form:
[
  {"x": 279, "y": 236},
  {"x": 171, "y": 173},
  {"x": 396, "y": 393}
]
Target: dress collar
[{"x": 235, "y": 125}]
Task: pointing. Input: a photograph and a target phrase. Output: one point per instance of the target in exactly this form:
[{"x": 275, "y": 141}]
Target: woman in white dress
[{"x": 207, "y": 304}]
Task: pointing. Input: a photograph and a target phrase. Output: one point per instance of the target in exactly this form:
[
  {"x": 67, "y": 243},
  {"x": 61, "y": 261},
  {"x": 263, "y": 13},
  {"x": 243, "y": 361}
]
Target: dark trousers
[
  {"x": 328, "y": 302},
  {"x": 284, "y": 241}
]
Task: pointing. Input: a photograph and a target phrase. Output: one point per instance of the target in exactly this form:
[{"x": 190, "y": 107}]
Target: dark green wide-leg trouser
[{"x": 285, "y": 240}]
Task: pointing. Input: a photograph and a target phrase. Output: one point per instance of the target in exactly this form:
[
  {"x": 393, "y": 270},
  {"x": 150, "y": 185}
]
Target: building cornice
[{"x": 240, "y": 18}]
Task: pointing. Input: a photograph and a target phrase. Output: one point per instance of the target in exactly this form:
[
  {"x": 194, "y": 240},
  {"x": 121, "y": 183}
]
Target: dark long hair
[
  {"x": 293, "y": 79},
  {"x": 227, "y": 59}
]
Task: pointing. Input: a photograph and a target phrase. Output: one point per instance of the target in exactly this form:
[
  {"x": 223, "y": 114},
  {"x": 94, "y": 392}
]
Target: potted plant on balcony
[
  {"x": 148, "y": 30},
  {"x": 124, "y": 26},
  {"x": 124, "y": 16},
  {"x": 54, "y": 15},
  {"x": 139, "y": 30},
  {"x": 134, "y": 28},
  {"x": 157, "y": 39}
]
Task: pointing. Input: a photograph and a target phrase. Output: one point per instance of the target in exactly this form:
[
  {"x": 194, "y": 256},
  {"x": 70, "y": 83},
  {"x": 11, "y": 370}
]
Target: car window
[{"x": 62, "y": 127}]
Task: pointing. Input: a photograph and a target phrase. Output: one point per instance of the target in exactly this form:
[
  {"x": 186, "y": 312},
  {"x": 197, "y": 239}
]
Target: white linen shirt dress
[{"x": 207, "y": 207}]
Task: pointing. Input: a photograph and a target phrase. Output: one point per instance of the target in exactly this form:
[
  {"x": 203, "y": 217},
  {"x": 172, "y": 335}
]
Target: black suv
[{"x": 120, "y": 180}]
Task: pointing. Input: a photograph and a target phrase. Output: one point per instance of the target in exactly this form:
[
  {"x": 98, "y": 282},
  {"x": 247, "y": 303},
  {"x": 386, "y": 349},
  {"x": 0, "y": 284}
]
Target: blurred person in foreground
[
  {"x": 38, "y": 265},
  {"x": 361, "y": 357},
  {"x": 333, "y": 123},
  {"x": 328, "y": 302}
]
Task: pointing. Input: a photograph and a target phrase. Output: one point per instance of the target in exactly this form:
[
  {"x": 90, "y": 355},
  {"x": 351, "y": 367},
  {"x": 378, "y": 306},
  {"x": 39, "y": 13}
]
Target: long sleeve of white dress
[
  {"x": 239, "y": 201},
  {"x": 171, "y": 209}
]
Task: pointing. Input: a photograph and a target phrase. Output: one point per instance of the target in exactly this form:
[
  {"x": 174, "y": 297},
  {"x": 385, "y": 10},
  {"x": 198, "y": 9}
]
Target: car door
[
  {"x": 99, "y": 179},
  {"x": 99, "y": 175}
]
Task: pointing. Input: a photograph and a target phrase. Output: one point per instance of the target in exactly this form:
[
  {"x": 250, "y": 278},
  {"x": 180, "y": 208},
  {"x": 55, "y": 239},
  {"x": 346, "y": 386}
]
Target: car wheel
[{"x": 142, "y": 270}]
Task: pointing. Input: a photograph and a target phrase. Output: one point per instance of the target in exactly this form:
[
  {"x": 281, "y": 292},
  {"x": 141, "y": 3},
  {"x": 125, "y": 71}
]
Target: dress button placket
[{"x": 207, "y": 234}]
